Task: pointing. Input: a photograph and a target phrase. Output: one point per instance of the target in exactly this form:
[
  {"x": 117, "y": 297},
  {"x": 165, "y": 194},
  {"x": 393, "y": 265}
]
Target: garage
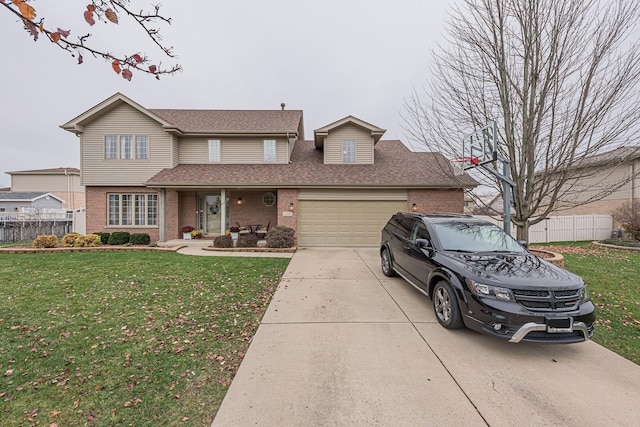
[{"x": 339, "y": 219}]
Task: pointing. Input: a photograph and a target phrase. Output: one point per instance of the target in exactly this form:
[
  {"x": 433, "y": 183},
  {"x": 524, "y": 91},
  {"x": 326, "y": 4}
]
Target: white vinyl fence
[{"x": 569, "y": 228}]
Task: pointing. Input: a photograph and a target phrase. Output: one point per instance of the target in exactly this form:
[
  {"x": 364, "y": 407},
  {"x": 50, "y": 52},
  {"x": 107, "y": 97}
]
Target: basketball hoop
[{"x": 460, "y": 164}]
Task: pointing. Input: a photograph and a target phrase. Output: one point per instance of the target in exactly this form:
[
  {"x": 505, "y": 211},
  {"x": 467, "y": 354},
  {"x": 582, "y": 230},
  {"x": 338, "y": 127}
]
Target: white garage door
[{"x": 344, "y": 222}]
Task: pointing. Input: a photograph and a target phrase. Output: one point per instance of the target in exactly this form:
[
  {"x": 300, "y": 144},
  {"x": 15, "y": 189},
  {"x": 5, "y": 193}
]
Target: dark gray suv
[{"x": 480, "y": 277}]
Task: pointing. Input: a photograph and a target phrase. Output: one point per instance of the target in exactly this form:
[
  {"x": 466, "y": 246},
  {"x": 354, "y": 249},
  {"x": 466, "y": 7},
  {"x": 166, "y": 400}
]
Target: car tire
[
  {"x": 386, "y": 263},
  {"x": 445, "y": 306}
]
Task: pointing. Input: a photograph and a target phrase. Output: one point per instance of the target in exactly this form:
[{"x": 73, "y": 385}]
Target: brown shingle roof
[
  {"x": 232, "y": 121},
  {"x": 395, "y": 166}
]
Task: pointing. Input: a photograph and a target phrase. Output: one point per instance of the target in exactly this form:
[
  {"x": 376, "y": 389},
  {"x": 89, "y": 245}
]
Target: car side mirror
[
  {"x": 423, "y": 244},
  {"x": 524, "y": 244}
]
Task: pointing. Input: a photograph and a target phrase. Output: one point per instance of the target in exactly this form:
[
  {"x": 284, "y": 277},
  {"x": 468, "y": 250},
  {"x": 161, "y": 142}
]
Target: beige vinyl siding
[
  {"x": 232, "y": 150},
  {"x": 175, "y": 151},
  {"x": 123, "y": 120},
  {"x": 363, "y": 142},
  {"x": 46, "y": 182}
]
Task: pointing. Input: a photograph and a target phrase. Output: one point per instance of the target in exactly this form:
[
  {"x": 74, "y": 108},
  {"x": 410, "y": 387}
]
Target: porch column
[{"x": 223, "y": 211}]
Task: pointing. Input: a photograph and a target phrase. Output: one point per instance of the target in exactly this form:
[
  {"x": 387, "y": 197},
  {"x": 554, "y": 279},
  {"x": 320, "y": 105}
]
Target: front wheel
[
  {"x": 386, "y": 263},
  {"x": 445, "y": 305}
]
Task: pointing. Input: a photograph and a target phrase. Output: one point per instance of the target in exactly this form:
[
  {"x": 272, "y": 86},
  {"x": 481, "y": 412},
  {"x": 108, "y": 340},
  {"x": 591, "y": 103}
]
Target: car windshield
[{"x": 475, "y": 237}]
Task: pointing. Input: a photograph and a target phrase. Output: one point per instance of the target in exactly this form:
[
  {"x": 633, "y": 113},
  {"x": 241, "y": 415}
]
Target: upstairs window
[
  {"x": 348, "y": 151},
  {"x": 214, "y": 150},
  {"x": 269, "y": 151},
  {"x": 111, "y": 147},
  {"x": 142, "y": 147},
  {"x": 126, "y": 151},
  {"x": 121, "y": 147}
]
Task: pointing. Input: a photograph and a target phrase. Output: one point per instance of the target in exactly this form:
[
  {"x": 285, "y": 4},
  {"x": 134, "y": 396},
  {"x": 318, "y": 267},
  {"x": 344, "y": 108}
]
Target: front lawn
[
  {"x": 123, "y": 338},
  {"x": 613, "y": 278}
]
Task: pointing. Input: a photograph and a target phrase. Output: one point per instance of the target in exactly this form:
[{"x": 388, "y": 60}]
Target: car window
[
  {"x": 475, "y": 237},
  {"x": 420, "y": 231},
  {"x": 405, "y": 225}
]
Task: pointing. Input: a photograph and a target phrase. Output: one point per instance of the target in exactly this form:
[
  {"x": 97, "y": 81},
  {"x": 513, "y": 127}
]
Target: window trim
[
  {"x": 269, "y": 151},
  {"x": 128, "y": 213},
  {"x": 348, "y": 151},
  {"x": 213, "y": 150},
  {"x": 114, "y": 147}
]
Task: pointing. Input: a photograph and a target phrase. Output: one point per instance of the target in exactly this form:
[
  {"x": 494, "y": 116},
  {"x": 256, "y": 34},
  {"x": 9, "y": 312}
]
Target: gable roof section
[
  {"x": 320, "y": 134},
  {"x": 233, "y": 121},
  {"x": 26, "y": 196},
  {"x": 183, "y": 122},
  {"x": 77, "y": 124},
  {"x": 395, "y": 167}
]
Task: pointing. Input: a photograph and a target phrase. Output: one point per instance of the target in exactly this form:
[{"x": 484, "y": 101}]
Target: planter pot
[
  {"x": 234, "y": 235},
  {"x": 186, "y": 236}
]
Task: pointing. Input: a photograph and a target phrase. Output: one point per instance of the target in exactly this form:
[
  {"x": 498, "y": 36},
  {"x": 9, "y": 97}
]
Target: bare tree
[
  {"x": 559, "y": 77},
  {"x": 107, "y": 11}
]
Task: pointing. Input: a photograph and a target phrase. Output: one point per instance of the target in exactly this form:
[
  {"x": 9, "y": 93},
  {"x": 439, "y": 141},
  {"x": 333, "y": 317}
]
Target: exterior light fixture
[
  {"x": 291, "y": 206},
  {"x": 414, "y": 207},
  {"x": 239, "y": 200}
]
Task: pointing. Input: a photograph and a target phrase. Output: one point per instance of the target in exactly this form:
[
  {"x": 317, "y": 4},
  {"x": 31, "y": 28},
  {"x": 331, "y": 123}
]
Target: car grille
[{"x": 548, "y": 300}]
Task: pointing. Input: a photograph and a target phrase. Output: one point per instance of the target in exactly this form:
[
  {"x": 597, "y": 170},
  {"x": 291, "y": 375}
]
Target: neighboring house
[
  {"x": 156, "y": 170},
  {"x": 616, "y": 172},
  {"x": 63, "y": 183},
  {"x": 29, "y": 205}
]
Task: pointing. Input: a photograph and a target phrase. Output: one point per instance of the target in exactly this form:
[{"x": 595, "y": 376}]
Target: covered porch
[{"x": 216, "y": 210}]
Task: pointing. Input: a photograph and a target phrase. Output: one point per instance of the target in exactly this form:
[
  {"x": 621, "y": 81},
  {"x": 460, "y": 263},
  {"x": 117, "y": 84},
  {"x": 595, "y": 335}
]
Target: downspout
[
  {"x": 69, "y": 199},
  {"x": 163, "y": 210}
]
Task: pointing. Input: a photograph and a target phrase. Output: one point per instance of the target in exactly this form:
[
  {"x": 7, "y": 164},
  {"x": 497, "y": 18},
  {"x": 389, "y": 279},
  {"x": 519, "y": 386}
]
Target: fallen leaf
[{"x": 8, "y": 373}]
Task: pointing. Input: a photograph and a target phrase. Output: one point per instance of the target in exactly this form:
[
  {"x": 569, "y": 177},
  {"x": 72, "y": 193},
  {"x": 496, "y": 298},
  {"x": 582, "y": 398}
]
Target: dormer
[{"x": 348, "y": 141}]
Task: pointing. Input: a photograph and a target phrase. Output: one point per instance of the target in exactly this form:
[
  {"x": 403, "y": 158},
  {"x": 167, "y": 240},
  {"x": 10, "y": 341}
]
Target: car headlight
[
  {"x": 584, "y": 294},
  {"x": 484, "y": 290}
]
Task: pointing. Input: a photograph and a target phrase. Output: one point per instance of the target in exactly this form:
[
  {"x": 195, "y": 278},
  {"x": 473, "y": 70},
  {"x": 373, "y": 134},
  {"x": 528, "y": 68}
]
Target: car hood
[{"x": 512, "y": 270}]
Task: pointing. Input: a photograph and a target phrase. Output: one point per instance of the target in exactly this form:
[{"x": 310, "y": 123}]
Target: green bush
[
  {"x": 119, "y": 238},
  {"x": 247, "y": 241},
  {"x": 104, "y": 236},
  {"x": 47, "y": 241},
  {"x": 223, "y": 242},
  {"x": 69, "y": 240},
  {"x": 280, "y": 237},
  {"x": 140, "y": 239},
  {"x": 88, "y": 241}
]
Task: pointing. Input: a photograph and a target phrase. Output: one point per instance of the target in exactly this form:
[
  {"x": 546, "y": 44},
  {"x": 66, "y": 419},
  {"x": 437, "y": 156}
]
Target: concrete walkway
[{"x": 342, "y": 345}]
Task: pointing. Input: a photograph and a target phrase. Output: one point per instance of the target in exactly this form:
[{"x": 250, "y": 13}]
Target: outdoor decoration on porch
[{"x": 186, "y": 232}]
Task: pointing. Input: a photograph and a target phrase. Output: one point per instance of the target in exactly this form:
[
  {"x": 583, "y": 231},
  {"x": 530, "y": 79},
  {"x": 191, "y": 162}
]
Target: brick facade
[
  {"x": 430, "y": 201},
  {"x": 286, "y": 197},
  {"x": 97, "y": 211}
]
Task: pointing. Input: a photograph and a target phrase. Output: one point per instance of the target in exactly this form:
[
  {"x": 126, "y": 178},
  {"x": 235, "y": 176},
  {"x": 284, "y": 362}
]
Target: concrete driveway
[{"x": 343, "y": 345}]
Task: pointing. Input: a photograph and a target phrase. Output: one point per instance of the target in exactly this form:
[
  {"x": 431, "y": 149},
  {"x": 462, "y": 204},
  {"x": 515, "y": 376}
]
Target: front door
[{"x": 213, "y": 212}]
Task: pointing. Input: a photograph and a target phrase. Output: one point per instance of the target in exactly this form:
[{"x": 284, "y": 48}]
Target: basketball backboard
[{"x": 481, "y": 145}]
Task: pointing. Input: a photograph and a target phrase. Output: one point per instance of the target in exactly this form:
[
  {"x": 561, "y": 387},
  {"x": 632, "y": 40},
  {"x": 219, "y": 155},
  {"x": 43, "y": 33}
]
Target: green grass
[
  {"x": 122, "y": 338},
  {"x": 613, "y": 279}
]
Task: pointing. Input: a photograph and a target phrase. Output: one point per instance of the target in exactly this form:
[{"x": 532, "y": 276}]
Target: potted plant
[
  {"x": 186, "y": 232},
  {"x": 196, "y": 234},
  {"x": 234, "y": 232}
]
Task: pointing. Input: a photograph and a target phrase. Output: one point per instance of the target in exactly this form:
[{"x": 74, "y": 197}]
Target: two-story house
[{"x": 156, "y": 170}]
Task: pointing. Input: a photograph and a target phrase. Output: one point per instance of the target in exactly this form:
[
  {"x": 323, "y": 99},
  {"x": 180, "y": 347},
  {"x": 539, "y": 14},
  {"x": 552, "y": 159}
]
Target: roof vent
[{"x": 282, "y": 106}]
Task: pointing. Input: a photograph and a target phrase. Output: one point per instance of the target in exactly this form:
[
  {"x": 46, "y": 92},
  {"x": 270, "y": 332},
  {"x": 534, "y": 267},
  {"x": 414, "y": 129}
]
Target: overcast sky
[{"x": 329, "y": 58}]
